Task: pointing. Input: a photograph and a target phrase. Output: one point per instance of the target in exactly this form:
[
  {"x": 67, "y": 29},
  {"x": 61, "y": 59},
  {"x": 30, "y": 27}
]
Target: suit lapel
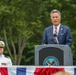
[
  {"x": 51, "y": 34},
  {"x": 60, "y": 31},
  {"x": 51, "y": 30}
]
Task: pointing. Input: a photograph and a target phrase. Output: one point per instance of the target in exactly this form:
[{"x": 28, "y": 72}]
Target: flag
[
  {"x": 47, "y": 71},
  {"x": 3, "y": 71},
  {"x": 33, "y": 70},
  {"x": 74, "y": 70}
]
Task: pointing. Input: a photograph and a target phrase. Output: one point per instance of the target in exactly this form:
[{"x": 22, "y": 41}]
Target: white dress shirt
[{"x": 57, "y": 29}]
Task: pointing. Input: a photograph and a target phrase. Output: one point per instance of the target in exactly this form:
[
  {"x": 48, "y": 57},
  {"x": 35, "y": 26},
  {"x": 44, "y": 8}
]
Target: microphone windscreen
[{"x": 54, "y": 35}]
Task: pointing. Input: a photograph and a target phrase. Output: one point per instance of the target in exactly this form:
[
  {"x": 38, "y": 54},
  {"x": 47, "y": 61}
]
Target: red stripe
[
  {"x": 4, "y": 71},
  {"x": 47, "y": 71}
]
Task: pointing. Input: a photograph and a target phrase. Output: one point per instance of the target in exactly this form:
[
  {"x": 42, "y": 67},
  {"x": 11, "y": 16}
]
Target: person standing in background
[
  {"x": 57, "y": 33},
  {"x": 4, "y": 60}
]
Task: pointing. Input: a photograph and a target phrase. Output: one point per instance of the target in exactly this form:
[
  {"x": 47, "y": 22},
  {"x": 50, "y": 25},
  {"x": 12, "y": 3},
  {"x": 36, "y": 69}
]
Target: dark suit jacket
[{"x": 64, "y": 36}]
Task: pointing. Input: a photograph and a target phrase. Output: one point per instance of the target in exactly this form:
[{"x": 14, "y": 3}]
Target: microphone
[{"x": 55, "y": 37}]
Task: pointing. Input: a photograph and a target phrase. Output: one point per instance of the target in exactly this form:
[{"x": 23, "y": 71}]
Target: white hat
[{"x": 2, "y": 44}]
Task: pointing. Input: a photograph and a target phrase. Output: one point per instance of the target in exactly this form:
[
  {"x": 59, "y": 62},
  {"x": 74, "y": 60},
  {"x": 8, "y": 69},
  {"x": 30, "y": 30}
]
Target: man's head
[
  {"x": 2, "y": 45},
  {"x": 55, "y": 17}
]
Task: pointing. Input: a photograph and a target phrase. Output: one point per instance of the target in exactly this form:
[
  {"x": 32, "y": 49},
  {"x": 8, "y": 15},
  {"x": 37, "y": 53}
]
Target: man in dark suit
[{"x": 57, "y": 33}]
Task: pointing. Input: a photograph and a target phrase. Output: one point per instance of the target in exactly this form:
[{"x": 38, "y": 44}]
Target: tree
[
  {"x": 22, "y": 24},
  {"x": 18, "y": 25}
]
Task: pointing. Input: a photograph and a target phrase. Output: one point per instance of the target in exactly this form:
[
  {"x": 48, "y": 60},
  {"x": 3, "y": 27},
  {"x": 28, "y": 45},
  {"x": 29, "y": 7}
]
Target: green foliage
[{"x": 30, "y": 17}]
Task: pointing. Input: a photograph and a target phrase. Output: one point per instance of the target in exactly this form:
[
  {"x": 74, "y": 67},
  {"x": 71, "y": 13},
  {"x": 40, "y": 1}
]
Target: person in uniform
[{"x": 4, "y": 60}]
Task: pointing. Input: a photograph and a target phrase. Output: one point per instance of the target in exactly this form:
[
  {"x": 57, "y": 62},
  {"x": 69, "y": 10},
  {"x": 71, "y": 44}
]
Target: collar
[
  {"x": 57, "y": 26},
  {"x": 1, "y": 55}
]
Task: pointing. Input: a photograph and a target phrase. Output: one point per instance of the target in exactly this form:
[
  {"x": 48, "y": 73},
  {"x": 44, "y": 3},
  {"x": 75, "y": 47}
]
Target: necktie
[
  {"x": 56, "y": 30},
  {"x": 55, "y": 37}
]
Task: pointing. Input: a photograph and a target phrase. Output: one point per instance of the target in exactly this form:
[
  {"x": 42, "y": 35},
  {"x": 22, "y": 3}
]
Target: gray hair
[{"x": 55, "y": 11}]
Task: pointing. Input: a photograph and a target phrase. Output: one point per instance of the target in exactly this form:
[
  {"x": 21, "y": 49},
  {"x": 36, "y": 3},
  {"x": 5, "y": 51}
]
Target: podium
[{"x": 53, "y": 55}]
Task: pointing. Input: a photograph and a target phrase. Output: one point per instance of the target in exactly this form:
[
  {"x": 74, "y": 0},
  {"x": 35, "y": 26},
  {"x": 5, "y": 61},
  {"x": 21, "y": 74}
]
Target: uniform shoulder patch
[{"x": 7, "y": 57}]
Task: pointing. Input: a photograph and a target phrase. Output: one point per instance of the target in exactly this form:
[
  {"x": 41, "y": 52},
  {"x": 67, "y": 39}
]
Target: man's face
[
  {"x": 1, "y": 50},
  {"x": 55, "y": 18}
]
